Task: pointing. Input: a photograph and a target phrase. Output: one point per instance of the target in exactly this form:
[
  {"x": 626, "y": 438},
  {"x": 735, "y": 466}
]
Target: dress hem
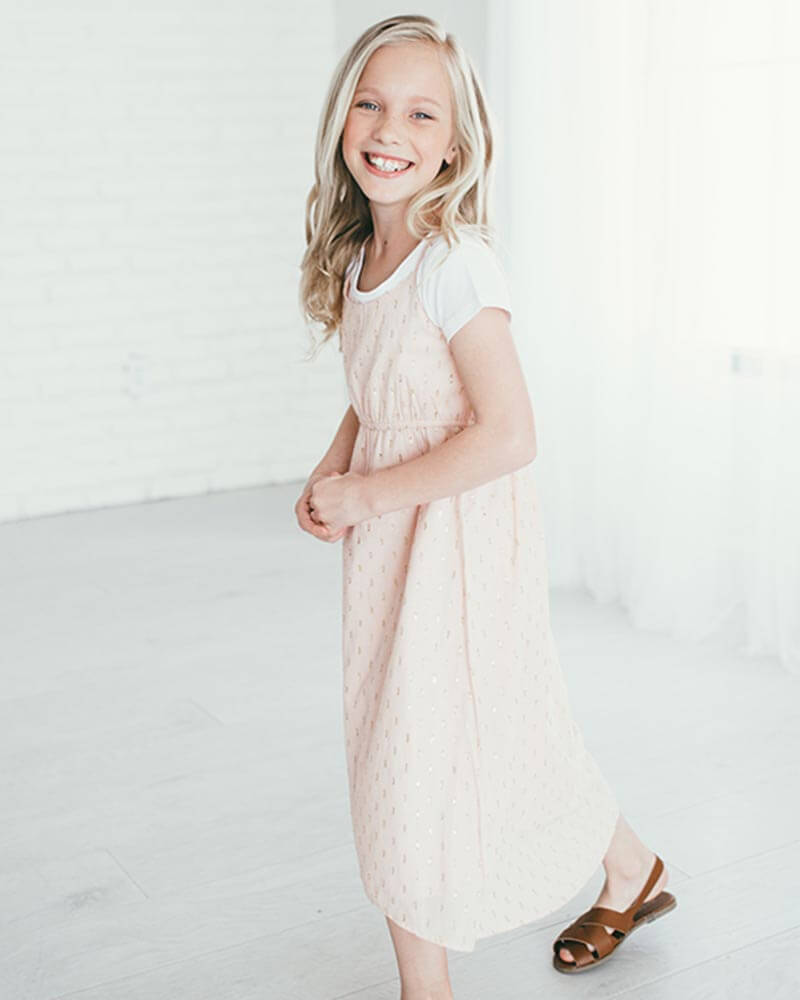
[{"x": 519, "y": 922}]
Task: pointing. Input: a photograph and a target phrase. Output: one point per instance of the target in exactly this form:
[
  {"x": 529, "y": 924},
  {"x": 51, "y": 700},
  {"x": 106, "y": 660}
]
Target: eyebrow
[{"x": 417, "y": 97}]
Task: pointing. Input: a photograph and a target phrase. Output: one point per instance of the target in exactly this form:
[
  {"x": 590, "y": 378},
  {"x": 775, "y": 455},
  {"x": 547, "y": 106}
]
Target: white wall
[{"x": 155, "y": 159}]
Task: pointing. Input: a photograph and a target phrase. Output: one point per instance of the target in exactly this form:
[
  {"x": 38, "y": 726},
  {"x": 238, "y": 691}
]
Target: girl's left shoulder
[
  {"x": 470, "y": 248},
  {"x": 457, "y": 281}
]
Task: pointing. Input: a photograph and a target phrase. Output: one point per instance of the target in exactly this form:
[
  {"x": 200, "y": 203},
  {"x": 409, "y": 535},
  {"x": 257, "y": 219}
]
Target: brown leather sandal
[{"x": 587, "y": 937}]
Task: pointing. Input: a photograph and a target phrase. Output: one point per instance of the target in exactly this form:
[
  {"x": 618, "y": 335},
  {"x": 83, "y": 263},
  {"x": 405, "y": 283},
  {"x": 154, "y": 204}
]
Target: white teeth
[{"x": 383, "y": 164}]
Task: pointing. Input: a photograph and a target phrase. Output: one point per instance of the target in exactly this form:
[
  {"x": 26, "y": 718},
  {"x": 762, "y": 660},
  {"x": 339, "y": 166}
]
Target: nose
[{"x": 388, "y": 130}]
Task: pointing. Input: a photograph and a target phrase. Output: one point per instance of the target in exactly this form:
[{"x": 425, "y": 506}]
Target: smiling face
[{"x": 401, "y": 111}]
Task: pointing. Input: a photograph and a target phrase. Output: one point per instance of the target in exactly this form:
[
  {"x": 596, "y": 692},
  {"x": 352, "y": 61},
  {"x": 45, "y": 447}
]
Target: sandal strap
[
  {"x": 623, "y": 920},
  {"x": 577, "y": 937},
  {"x": 652, "y": 878},
  {"x": 581, "y": 955},
  {"x": 575, "y": 931},
  {"x": 609, "y": 918},
  {"x": 598, "y": 940}
]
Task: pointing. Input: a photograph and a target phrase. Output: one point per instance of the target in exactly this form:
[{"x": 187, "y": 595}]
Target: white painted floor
[{"x": 175, "y": 823}]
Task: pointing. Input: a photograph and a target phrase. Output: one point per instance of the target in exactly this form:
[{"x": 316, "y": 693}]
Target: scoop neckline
[{"x": 388, "y": 282}]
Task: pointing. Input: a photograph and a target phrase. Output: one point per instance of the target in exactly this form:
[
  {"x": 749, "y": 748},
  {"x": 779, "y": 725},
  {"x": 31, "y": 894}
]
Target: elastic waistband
[{"x": 418, "y": 423}]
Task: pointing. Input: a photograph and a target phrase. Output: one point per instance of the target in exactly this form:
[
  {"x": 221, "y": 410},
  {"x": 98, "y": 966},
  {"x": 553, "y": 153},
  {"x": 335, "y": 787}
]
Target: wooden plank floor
[{"x": 175, "y": 823}]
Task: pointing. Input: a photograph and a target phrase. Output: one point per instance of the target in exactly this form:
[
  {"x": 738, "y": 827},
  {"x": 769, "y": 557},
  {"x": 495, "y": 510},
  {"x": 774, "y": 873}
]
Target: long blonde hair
[{"x": 338, "y": 219}]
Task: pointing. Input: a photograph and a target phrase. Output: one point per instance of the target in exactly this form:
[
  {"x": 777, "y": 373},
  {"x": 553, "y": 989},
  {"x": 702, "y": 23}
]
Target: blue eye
[{"x": 361, "y": 104}]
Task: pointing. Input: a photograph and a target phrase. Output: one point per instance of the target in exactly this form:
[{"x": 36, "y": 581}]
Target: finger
[
  {"x": 316, "y": 528},
  {"x": 306, "y": 522},
  {"x": 301, "y": 506},
  {"x": 318, "y": 531}
]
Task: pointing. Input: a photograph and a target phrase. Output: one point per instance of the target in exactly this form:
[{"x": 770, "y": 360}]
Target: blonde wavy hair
[{"x": 338, "y": 219}]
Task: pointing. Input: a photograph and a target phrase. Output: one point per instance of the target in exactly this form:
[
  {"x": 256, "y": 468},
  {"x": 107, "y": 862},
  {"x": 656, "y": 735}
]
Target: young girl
[{"x": 475, "y": 805}]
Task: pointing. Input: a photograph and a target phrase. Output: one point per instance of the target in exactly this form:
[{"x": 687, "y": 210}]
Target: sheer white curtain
[{"x": 648, "y": 187}]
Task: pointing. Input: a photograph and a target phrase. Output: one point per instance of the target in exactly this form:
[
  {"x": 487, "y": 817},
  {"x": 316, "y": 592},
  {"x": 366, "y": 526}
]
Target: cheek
[
  {"x": 351, "y": 145},
  {"x": 350, "y": 131},
  {"x": 435, "y": 139},
  {"x": 433, "y": 148}
]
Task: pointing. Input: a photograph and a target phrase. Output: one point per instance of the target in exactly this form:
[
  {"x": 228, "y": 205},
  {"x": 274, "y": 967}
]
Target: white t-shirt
[{"x": 469, "y": 278}]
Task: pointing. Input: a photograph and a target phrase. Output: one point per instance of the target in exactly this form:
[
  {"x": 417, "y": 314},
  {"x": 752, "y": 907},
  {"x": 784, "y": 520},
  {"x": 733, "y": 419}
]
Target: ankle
[
  {"x": 629, "y": 865},
  {"x": 435, "y": 994},
  {"x": 438, "y": 991}
]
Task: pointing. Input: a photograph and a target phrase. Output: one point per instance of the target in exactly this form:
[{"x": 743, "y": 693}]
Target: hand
[
  {"x": 338, "y": 501},
  {"x": 306, "y": 517}
]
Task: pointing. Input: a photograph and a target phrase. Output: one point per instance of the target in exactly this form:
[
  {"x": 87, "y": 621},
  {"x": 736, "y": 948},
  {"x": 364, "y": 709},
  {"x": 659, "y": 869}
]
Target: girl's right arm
[{"x": 336, "y": 459}]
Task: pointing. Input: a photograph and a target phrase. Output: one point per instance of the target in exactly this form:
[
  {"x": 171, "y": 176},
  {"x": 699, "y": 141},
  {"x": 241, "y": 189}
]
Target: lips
[{"x": 392, "y": 159}]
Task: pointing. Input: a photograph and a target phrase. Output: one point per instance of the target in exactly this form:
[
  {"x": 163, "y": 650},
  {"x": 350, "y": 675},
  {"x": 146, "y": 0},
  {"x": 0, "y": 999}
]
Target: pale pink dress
[{"x": 475, "y": 806}]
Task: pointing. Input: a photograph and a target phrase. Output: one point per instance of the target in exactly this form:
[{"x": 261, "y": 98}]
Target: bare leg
[
  {"x": 627, "y": 863},
  {"x": 422, "y": 964}
]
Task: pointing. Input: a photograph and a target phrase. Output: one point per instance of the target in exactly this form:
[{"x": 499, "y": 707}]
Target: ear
[{"x": 450, "y": 155}]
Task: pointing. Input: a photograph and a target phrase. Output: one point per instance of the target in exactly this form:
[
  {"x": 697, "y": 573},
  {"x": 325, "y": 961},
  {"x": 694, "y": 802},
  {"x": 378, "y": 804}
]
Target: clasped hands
[{"x": 330, "y": 503}]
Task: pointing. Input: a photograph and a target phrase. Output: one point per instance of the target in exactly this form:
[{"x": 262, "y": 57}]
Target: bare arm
[
  {"x": 337, "y": 457},
  {"x": 502, "y": 439}
]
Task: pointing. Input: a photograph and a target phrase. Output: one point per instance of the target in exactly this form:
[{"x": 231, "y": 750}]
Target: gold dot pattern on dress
[{"x": 475, "y": 805}]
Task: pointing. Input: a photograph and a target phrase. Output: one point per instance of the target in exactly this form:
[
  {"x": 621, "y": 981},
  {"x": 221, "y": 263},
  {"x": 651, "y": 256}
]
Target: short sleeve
[{"x": 455, "y": 284}]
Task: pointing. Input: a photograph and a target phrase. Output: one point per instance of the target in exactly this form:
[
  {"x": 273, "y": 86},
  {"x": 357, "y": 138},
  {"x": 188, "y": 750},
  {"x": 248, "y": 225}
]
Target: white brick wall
[{"x": 154, "y": 162}]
